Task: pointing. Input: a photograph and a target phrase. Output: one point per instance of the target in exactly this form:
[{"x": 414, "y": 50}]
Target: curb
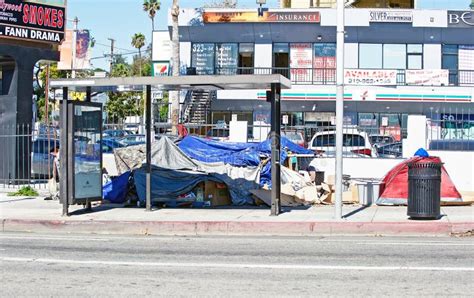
[{"x": 238, "y": 228}]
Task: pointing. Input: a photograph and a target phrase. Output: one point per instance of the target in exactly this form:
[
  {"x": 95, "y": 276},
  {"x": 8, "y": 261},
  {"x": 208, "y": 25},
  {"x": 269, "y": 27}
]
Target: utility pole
[
  {"x": 112, "y": 45},
  {"x": 339, "y": 106},
  {"x": 74, "y": 44}
]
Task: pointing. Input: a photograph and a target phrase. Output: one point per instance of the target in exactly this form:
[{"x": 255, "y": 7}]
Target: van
[{"x": 355, "y": 143}]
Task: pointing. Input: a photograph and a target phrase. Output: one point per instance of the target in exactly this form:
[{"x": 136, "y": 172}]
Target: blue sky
[{"x": 120, "y": 19}]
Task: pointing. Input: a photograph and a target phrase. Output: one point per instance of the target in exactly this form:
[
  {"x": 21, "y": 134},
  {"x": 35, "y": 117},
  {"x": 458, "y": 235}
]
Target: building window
[
  {"x": 394, "y": 56},
  {"x": 450, "y": 62},
  {"x": 202, "y": 58},
  {"x": 281, "y": 59},
  {"x": 415, "y": 56},
  {"x": 324, "y": 63},
  {"x": 370, "y": 55},
  {"x": 226, "y": 58},
  {"x": 246, "y": 58}
]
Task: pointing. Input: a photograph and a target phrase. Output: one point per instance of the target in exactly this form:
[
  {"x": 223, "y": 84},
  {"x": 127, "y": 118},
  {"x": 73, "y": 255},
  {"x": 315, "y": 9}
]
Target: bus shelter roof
[{"x": 189, "y": 82}]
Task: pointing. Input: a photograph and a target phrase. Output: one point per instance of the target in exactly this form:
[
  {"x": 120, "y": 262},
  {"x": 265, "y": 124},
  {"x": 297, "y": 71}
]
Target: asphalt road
[{"x": 110, "y": 266}]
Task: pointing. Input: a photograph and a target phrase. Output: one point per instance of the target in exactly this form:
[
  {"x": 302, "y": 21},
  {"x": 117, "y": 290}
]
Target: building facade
[{"x": 397, "y": 63}]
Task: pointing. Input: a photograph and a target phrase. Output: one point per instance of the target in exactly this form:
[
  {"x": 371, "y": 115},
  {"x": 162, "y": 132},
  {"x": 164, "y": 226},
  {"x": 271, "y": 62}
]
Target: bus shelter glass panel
[{"x": 87, "y": 152}]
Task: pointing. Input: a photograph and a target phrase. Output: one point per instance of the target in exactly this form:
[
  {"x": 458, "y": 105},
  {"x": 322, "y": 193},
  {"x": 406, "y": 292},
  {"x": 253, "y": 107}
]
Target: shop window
[
  {"x": 202, "y": 58},
  {"x": 324, "y": 63},
  {"x": 301, "y": 62},
  {"x": 370, "y": 55},
  {"x": 394, "y": 56},
  {"x": 226, "y": 58},
  {"x": 281, "y": 59},
  {"x": 450, "y": 62},
  {"x": 415, "y": 56},
  {"x": 246, "y": 58}
]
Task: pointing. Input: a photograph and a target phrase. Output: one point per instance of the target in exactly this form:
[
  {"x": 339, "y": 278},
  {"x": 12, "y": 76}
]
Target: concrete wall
[
  {"x": 460, "y": 167},
  {"x": 358, "y": 167}
]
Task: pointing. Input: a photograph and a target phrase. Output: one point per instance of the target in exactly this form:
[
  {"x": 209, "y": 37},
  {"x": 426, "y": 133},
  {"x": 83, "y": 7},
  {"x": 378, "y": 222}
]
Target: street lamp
[{"x": 261, "y": 9}]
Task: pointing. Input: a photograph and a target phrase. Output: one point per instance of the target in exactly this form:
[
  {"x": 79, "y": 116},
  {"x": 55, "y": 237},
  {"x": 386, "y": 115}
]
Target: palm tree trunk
[
  {"x": 140, "y": 61},
  {"x": 174, "y": 95},
  {"x": 152, "y": 25}
]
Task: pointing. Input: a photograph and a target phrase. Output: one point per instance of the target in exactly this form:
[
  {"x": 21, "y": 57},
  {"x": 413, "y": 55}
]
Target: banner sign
[
  {"x": 370, "y": 77},
  {"x": 390, "y": 16},
  {"x": 83, "y": 51},
  {"x": 461, "y": 19},
  {"x": 429, "y": 77},
  {"x": 268, "y": 17},
  {"x": 29, "y": 20}
]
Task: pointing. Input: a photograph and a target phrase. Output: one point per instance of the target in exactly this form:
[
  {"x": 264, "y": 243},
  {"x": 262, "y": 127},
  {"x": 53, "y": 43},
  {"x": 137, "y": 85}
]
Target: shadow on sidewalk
[
  {"x": 353, "y": 212},
  {"x": 16, "y": 200}
]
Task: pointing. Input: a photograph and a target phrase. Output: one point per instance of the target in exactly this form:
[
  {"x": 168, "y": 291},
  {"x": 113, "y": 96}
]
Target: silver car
[{"x": 42, "y": 159}]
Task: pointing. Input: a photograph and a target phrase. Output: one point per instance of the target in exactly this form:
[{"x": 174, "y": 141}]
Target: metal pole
[
  {"x": 74, "y": 45},
  {"x": 275, "y": 139},
  {"x": 88, "y": 93},
  {"x": 148, "y": 146},
  {"x": 339, "y": 106},
  {"x": 63, "y": 168}
]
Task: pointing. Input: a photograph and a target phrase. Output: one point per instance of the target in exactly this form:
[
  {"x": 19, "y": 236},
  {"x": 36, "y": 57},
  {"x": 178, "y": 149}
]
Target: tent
[{"x": 395, "y": 189}]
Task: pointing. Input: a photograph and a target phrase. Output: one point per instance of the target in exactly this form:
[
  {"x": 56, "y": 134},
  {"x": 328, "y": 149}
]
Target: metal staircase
[{"x": 197, "y": 106}]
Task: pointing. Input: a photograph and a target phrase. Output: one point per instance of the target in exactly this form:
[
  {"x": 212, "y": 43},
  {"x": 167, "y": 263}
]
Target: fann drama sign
[
  {"x": 268, "y": 17},
  {"x": 31, "y": 20}
]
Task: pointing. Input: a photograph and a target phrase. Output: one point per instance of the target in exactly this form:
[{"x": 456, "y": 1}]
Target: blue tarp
[
  {"x": 422, "y": 153},
  {"x": 116, "y": 190},
  {"x": 236, "y": 154},
  {"x": 239, "y": 154}
]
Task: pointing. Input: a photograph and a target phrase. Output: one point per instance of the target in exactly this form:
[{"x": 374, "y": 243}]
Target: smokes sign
[{"x": 28, "y": 20}]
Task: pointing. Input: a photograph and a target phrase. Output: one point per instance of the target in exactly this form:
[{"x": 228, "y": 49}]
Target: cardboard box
[{"x": 217, "y": 194}]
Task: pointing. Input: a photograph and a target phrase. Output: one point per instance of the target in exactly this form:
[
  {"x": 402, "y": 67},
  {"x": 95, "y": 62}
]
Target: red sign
[{"x": 22, "y": 19}]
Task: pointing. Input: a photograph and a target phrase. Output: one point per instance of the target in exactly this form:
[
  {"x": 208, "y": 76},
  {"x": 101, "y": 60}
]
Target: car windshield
[
  {"x": 380, "y": 139},
  {"x": 329, "y": 140},
  {"x": 293, "y": 136}
]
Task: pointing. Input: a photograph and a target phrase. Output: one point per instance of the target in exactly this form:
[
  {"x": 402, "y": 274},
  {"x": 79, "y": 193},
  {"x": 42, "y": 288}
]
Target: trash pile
[{"x": 205, "y": 173}]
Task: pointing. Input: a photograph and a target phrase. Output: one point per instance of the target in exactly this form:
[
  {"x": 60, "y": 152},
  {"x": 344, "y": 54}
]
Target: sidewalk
[{"x": 20, "y": 214}]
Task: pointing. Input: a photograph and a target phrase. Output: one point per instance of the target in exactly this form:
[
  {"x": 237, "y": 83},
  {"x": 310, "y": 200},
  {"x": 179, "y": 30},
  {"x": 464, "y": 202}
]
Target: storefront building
[{"x": 397, "y": 63}]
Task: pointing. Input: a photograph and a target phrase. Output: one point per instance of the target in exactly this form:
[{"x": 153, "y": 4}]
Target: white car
[{"x": 354, "y": 142}]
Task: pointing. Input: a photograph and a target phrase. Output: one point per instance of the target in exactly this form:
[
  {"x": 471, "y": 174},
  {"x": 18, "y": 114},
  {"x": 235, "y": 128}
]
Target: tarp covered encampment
[
  {"x": 239, "y": 154},
  {"x": 395, "y": 191},
  {"x": 175, "y": 174}
]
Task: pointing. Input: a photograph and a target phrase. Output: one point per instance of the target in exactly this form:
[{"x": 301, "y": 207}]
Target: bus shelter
[{"x": 272, "y": 83}]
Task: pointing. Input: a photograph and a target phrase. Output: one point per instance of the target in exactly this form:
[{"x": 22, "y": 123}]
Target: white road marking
[
  {"x": 316, "y": 240},
  {"x": 54, "y": 238},
  {"x": 418, "y": 243},
  {"x": 235, "y": 266}
]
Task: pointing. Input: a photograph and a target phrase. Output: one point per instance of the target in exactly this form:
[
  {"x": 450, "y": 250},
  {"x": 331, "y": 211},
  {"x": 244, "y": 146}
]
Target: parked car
[
  {"x": 380, "y": 140},
  {"x": 294, "y": 136},
  {"x": 218, "y": 134},
  {"x": 393, "y": 150},
  {"x": 115, "y": 133},
  {"x": 354, "y": 141},
  {"x": 42, "y": 159},
  {"x": 132, "y": 140},
  {"x": 108, "y": 145}
]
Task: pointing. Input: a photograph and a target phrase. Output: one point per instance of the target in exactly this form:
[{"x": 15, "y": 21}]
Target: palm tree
[
  {"x": 174, "y": 95},
  {"x": 138, "y": 41},
  {"x": 151, "y": 7}
]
